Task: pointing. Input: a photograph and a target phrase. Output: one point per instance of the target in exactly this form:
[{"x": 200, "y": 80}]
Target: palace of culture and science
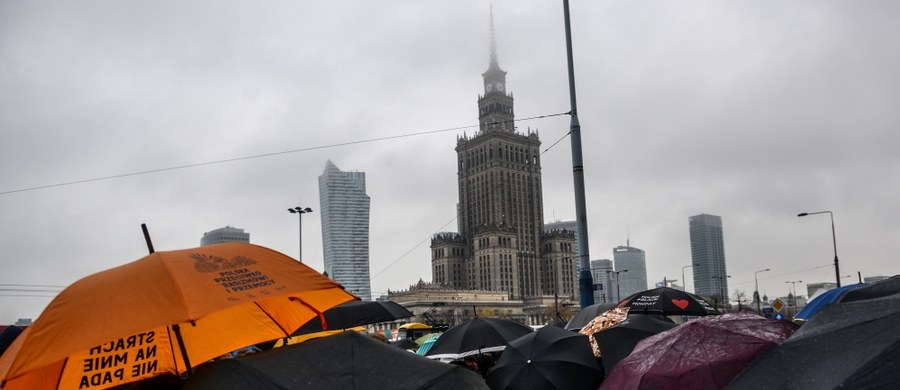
[{"x": 501, "y": 249}]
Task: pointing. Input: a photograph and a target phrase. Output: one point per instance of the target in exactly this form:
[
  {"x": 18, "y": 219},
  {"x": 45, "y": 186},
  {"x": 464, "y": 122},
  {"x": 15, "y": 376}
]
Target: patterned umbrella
[{"x": 668, "y": 301}]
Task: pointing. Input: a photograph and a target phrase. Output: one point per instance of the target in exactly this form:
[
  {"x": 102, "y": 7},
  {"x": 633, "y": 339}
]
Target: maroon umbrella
[{"x": 706, "y": 353}]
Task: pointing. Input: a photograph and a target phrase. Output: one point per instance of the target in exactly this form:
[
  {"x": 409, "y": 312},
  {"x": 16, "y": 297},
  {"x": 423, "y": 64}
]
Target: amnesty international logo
[
  {"x": 207, "y": 264},
  {"x": 235, "y": 275}
]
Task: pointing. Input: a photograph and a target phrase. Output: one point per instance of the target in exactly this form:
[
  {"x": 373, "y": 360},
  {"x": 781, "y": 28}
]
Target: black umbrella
[
  {"x": 405, "y": 344},
  {"x": 618, "y": 341},
  {"x": 355, "y": 313},
  {"x": 348, "y": 360},
  {"x": 851, "y": 345},
  {"x": 587, "y": 314},
  {"x": 883, "y": 288},
  {"x": 669, "y": 301},
  {"x": 551, "y": 358},
  {"x": 475, "y": 336},
  {"x": 7, "y": 336}
]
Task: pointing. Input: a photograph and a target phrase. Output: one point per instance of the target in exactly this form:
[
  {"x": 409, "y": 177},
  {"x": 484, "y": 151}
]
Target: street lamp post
[
  {"x": 837, "y": 269},
  {"x": 716, "y": 297},
  {"x": 794, "y": 289},
  {"x": 556, "y": 292},
  {"x": 300, "y": 211},
  {"x": 756, "y": 291},
  {"x": 618, "y": 293},
  {"x": 683, "y": 280}
]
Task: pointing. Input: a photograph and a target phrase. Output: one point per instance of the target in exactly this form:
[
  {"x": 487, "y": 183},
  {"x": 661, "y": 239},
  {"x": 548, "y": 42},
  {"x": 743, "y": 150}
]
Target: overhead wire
[
  {"x": 29, "y": 290},
  {"x": 773, "y": 276},
  {"x": 12, "y": 291},
  {"x": 256, "y": 156}
]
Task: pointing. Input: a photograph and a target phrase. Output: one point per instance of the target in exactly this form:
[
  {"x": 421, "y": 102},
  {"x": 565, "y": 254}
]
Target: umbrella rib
[
  {"x": 188, "y": 312},
  {"x": 314, "y": 310},
  {"x": 61, "y": 371},
  {"x": 286, "y": 333}
]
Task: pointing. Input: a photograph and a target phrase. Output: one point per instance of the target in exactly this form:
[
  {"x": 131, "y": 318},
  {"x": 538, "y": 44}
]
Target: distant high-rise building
[
  {"x": 225, "y": 234},
  {"x": 708, "y": 255},
  {"x": 344, "y": 213},
  {"x": 23, "y": 322},
  {"x": 604, "y": 284},
  {"x": 669, "y": 284},
  {"x": 502, "y": 244},
  {"x": 631, "y": 265}
]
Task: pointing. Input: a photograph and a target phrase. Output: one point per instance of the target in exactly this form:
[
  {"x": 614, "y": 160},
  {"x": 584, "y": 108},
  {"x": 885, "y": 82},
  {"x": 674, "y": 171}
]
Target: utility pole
[{"x": 585, "y": 279}]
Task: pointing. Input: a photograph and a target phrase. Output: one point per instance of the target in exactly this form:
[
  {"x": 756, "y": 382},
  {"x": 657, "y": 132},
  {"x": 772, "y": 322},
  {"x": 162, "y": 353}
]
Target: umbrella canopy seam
[{"x": 158, "y": 257}]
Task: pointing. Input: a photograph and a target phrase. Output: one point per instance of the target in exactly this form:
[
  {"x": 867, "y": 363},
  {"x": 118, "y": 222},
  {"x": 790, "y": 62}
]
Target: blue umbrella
[{"x": 827, "y": 298}]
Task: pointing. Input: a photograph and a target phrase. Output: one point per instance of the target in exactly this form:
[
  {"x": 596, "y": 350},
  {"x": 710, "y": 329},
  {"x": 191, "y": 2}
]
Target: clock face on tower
[
  {"x": 499, "y": 87},
  {"x": 489, "y": 87}
]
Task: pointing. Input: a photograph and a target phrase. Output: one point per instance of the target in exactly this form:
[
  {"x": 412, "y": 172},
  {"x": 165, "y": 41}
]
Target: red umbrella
[{"x": 706, "y": 353}]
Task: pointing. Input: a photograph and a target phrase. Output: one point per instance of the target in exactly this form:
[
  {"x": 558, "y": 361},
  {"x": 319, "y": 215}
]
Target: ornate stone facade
[
  {"x": 436, "y": 304},
  {"x": 500, "y": 245}
]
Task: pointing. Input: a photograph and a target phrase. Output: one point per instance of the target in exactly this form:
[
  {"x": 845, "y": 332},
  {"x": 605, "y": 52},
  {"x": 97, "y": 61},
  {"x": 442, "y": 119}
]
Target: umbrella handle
[
  {"x": 147, "y": 238},
  {"x": 187, "y": 362}
]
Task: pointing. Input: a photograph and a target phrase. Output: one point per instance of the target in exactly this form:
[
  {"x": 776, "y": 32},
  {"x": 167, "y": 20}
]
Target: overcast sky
[{"x": 753, "y": 111}]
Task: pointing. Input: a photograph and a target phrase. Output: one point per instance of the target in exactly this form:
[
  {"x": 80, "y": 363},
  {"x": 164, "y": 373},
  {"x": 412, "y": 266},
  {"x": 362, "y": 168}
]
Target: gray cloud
[{"x": 752, "y": 111}]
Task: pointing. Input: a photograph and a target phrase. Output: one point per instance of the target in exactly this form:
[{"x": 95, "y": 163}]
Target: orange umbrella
[{"x": 165, "y": 313}]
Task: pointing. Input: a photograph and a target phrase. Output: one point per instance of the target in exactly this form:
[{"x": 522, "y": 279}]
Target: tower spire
[{"x": 493, "y": 38}]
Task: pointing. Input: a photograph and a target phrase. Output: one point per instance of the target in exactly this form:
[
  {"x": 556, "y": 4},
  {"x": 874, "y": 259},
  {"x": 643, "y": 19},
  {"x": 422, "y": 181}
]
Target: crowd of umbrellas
[{"x": 238, "y": 315}]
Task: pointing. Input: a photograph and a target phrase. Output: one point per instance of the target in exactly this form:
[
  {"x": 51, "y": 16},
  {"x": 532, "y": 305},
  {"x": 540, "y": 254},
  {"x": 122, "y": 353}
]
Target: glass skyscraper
[
  {"x": 708, "y": 256},
  {"x": 631, "y": 265},
  {"x": 604, "y": 285},
  {"x": 344, "y": 209}
]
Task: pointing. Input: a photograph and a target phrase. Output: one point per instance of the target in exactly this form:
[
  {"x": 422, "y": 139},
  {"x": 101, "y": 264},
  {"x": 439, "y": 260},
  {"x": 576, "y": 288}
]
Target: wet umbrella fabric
[
  {"x": 618, "y": 341},
  {"x": 585, "y": 315},
  {"x": 852, "y": 345},
  {"x": 405, "y": 344},
  {"x": 889, "y": 286},
  {"x": 818, "y": 303},
  {"x": 222, "y": 297},
  {"x": 8, "y": 336},
  {"x": 669, "y": 301},
  {"x": 355, "y": 313},
  {"x": 705, "y": 353},
  {"x": 348, "y": 360},
  {"x": 550, "y": 358},
  {"x": 475, "y": 336}
]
